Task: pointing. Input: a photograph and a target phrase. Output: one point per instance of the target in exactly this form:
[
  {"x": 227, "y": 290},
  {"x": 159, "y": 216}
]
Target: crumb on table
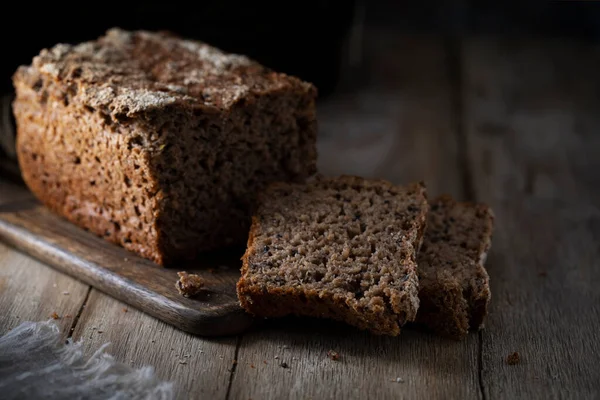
[
  {"x": 333, "y": 355},
  {"x": 189, "y": 285},
  {"x": 54, "y": 315},
  {"x": 513, "y": 358}
]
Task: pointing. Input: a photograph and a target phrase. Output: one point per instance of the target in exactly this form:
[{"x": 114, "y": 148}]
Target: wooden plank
[
  {"x": 400, "y": 125},
  {"x": 30, "y": 291},
  {"x": 531, "y": 113},
  {"x": 35, "y": 230},
  {"x": 198, "y": 367},
  {"x": 400, "y": 122},
  {"x": 413, "y": 365}
]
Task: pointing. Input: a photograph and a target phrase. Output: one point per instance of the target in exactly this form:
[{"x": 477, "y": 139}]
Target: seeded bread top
[
  {"x": 350, "y": 239},
  {"x": 456, "y": 242},
  {"x": 124, "y": 73}
]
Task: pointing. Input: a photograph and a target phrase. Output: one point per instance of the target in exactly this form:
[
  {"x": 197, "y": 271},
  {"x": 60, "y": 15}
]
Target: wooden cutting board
[{"x": 28, "y": 226}]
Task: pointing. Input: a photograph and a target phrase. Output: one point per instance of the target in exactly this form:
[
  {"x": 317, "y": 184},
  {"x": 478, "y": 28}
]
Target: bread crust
[
  {"x": 454, "y": 287},
  {"x": 157, "y": 143}
]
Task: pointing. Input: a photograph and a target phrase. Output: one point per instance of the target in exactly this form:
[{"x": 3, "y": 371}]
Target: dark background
[
  {"x": 301, "y": 38},
  {"x": 309, "y": 38}
]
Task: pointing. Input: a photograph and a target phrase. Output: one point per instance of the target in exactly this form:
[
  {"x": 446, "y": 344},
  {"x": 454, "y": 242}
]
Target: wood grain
[
  {"x": 400, "y": 122},
  {"x": 198, "y": 367},
  {"x": 400, "y": 125},
  {"x": 414, "y": 365},
  {"x": 30, "y": 291},
  {"x": 531, "y": 113},
  {"x": 33, "y": 229}
]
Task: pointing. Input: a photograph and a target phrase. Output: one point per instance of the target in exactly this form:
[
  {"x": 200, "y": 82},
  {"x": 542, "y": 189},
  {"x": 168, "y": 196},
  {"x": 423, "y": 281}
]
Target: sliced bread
[
  {"x": 454, "y": 289},
  {"x": 342, "y": 248}
]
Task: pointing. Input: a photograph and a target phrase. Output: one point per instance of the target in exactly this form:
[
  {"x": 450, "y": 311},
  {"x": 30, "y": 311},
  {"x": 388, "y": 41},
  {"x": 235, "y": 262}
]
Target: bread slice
[
  {"x": 157, "y": 143},
  {"x": 342, "y": 248},
  {"x": 454, "y": 286}
]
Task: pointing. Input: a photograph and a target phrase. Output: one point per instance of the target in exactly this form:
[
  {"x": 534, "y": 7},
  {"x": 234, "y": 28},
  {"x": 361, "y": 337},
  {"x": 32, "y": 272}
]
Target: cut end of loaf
[
  {"x": 453, "y": 283},
  {"x": 341, "y": 248}
]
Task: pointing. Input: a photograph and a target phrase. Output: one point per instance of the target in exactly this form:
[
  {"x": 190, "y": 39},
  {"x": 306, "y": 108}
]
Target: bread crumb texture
[
  {"x": 189, "y": 285},
  {"x": 341, "y": 248},
  {"x": 454, "y": 287}
]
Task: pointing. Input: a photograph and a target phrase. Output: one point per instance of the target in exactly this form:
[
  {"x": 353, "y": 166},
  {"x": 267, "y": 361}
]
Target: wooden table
[{"x": 514, "y": 123}]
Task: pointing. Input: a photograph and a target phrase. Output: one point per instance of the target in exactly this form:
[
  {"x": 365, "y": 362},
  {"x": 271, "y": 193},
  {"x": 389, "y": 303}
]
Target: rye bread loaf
[
  {"x": 454, "y": 286},
  {"x": 342, "y": 248},
  {"x": 157, "y": 143}
]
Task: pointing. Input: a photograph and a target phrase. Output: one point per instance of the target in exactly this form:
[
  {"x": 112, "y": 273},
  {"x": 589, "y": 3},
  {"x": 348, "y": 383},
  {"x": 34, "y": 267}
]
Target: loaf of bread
[
  {"x": 157, "y": 143},
  {"x": 341, "y": 248},
  {"x": 454, "y": 286}
]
